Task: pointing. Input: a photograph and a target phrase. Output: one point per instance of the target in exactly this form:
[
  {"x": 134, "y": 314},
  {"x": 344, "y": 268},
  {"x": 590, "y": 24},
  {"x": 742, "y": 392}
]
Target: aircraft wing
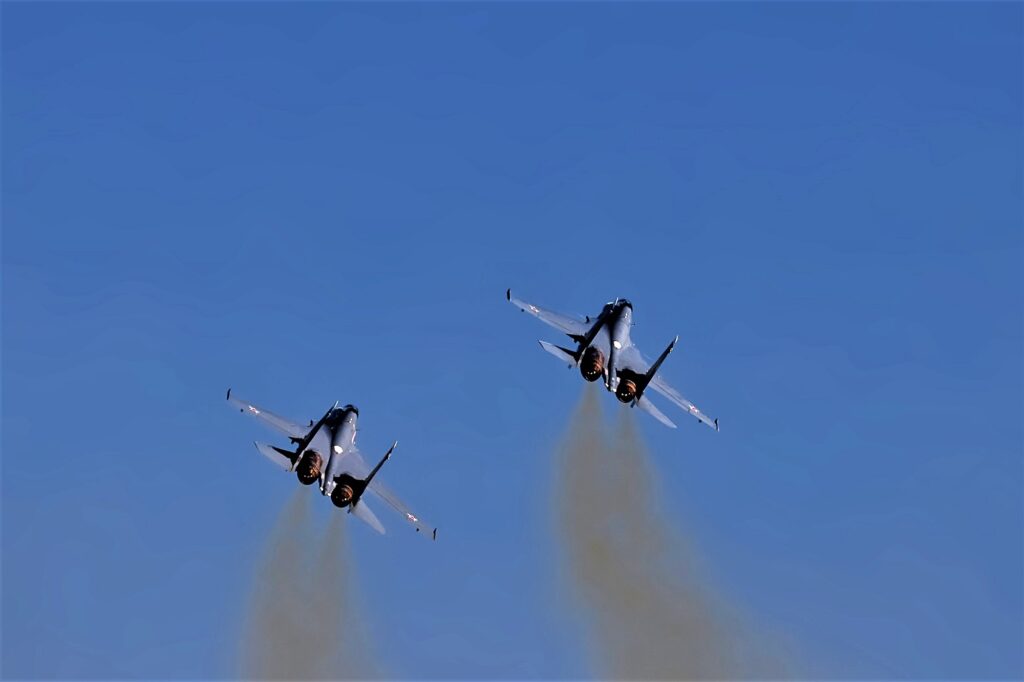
[
  {"x": 354, "y": 464},
  {"x": 660, "y": 385},
  {"x": 288, "y": 428},
  {"x": 632, "y": 360},
  {"x": 385, "y": 494},
  {"x": 564, "y": 323}
]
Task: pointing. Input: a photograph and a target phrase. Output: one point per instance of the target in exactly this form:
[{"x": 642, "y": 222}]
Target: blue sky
[{"x": 327, "y": 201}]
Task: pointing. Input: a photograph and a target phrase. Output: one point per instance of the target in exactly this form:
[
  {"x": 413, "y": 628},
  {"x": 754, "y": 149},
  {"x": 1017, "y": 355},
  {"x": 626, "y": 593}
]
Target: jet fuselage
[
  {"x": 618, "y": 325},
  {"x": 341, "y": 429}
]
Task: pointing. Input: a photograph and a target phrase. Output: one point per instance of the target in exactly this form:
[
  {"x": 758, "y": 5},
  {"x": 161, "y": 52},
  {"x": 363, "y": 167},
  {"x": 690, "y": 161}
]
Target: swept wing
[
  {"x": 354, "y": 464},
  {"x": 573, "y": 326},
  {"x": 662, "y": 387},
  {"x": 279, "y": 423},
  {"x": 631, "y": 360}
]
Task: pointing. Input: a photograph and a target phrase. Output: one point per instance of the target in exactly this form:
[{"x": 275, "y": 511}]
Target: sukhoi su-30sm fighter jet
[
  {"x": 603, "y": 349},
  {"x": 346, "y": 477}
]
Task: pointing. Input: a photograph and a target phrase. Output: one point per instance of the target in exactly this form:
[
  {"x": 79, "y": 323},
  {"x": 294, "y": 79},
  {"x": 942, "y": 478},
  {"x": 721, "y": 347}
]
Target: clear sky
[{"x": 327, "y": 202}]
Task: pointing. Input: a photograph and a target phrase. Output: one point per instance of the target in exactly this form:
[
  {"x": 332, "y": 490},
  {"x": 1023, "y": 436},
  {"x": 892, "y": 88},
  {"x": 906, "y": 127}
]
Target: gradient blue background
[{"x": 322, "y": 202}]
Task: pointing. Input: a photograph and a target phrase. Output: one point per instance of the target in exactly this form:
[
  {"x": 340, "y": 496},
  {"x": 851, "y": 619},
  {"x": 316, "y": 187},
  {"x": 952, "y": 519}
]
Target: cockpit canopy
[
  {"x": 618, "y": 304},
  {"x": 338, "y": 414}
]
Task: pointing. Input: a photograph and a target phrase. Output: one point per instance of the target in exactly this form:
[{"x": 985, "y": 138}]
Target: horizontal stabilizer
[
  {"x": 563, "y": 354},
  {"x": 274, "y": 455},
  {"x": 366, "y": 514},
  {"x": 649, "y": 407}
]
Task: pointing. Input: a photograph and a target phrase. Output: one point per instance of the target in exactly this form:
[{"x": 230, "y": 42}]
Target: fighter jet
[
  {"x": 603, "y": 348},
  {"x": 346, "y": 478}
]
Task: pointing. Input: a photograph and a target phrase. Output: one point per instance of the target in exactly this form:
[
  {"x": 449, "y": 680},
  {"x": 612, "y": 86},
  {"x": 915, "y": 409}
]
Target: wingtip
[
  {"x": 508, "y": 294},
  {"x": 228, "y": 396},
  {"x": 435, "y": 534},
  {"x": 716, "y": 424}
]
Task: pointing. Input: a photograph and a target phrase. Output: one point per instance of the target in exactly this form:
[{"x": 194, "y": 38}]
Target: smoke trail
[
  {"x": 342, "y": 633},
  {"x": 301, "y": 593},
  {"x": 650, "y": 614},
  {"x": 273, "y": 646}
]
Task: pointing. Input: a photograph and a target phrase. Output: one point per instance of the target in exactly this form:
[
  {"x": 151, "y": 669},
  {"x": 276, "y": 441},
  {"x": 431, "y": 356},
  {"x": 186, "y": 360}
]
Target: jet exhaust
[
  {"x": 303, "y": 620},
  {"x": 626, "y": 391},
  {"x": 592, "y": 364},
  {"x": 308, "y": 471},
  {"x": 647, "y": 610}
]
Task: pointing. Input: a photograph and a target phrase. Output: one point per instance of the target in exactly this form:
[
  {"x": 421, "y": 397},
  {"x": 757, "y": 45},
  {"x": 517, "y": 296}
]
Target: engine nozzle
[
  {"x": 592, "y": 364},
  {"x": 308, "y": 470},
  {"x": 626, "y": 391},
  {"x": 342, "y": 495}
]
